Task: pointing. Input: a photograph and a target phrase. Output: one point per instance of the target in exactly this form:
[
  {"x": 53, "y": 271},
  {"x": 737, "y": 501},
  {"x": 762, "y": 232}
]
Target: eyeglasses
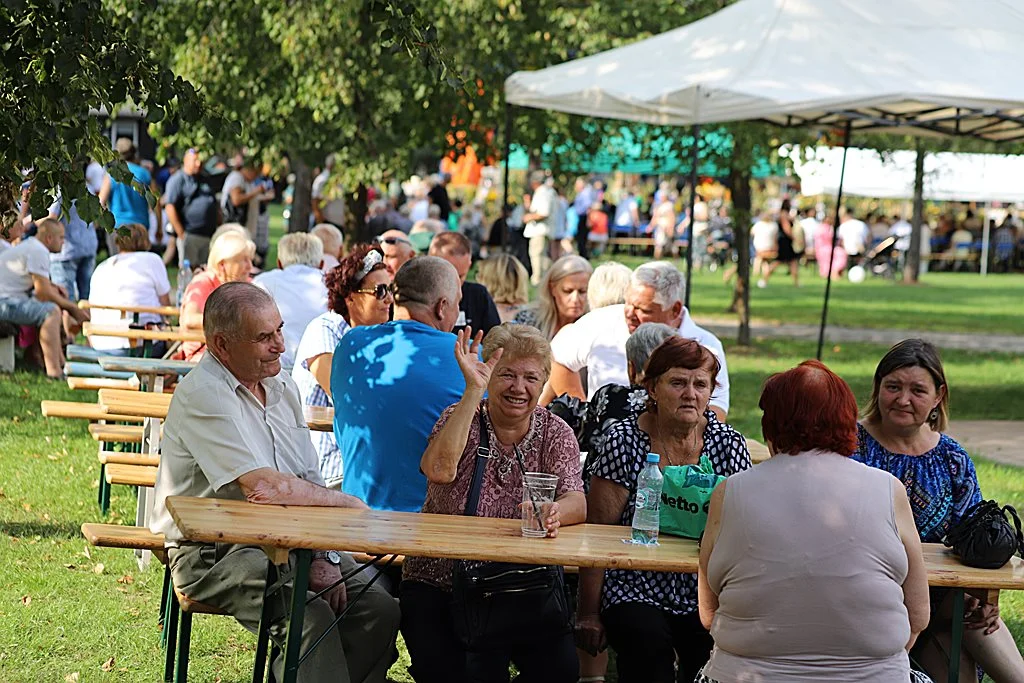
[
  {"x": 393, "y": 241},
  {"x": 380, "y": 292}
]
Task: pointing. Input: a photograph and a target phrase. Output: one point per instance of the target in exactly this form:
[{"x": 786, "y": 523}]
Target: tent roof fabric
[{"x": 939, "y": 66}]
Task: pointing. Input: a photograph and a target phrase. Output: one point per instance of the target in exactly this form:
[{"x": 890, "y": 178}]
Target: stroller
[{"x": 881, "y": 260}]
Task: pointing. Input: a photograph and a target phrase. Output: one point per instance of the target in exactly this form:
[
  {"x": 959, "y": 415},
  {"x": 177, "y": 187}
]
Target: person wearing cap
[
  {"x": 192, "y": 208},
  {"x": 391, "y": 382},
  {"x": 123, "y": 200}
]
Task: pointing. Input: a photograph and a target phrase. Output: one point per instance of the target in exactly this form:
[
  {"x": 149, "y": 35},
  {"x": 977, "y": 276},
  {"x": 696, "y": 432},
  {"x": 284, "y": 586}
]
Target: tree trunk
[
  {"x": 356, "y": 220},
  {"x": 912, "y": 262},
  {"x": 302, "y": 198},
  {"x": 739, "y": 185}
]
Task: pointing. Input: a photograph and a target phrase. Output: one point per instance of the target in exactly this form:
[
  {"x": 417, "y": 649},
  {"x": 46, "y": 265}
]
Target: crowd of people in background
[{"x": 423, "y": 363}]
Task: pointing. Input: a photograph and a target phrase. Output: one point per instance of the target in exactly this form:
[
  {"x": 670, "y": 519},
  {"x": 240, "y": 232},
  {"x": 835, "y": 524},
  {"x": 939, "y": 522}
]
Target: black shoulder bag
[
  {"x": 985, "y": 537},
  {"x": 500, "y": 605}
]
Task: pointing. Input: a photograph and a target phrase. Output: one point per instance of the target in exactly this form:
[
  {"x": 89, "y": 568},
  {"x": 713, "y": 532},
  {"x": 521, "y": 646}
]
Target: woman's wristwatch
[{"x": 332, "y": 556}]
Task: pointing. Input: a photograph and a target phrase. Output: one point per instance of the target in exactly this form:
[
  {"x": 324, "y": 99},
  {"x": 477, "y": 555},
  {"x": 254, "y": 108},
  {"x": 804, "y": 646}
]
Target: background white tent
[
  {"x": 922, "y": 66},
  {"x": 948, "y": 176},
  {"x": 946, "y": 66}
]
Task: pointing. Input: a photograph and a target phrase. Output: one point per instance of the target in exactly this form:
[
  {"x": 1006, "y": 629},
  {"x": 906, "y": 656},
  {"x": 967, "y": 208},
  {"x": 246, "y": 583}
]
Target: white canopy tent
[
  {"x": 936, "y": 66},
  {"x": 948, "y": 176}
]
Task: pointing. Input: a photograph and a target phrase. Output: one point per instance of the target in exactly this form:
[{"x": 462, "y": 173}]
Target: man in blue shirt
[
  {"x": 192, "y": 208},
  {"x": 390, "y": 384},
  {"x": 124, "y": 201}
]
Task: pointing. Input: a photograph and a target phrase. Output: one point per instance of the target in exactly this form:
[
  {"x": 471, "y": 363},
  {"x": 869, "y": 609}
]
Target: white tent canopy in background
[
  {"x": 945, "y": 66},
  {"x": 947, "y": 176}
]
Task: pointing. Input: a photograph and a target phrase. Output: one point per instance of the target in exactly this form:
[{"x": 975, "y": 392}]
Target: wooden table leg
[
  {"x": 297, "y": 613},
  {"x": 957, "y": 635}
]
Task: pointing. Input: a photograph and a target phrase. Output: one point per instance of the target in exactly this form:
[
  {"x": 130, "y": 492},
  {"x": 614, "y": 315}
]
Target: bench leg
[
  {"x": 104, "y": 492},
  {"x": 164, "y": 592},
  {"x": 170, "y": 635},
  {"x": 184, "y": 638},
  {"x": 957, "y": 635},
  {"x": 103, "y": 481},
  {"x": 263, "y": 634}
]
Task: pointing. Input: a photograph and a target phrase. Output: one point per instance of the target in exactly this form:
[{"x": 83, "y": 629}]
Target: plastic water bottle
[
  {"x": 646, "y": 516},
  {"x": 184, "y": 277}
]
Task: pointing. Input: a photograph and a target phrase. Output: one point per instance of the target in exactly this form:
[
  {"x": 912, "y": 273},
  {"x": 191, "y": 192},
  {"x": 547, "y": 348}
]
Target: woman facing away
[
  {"x": 507, "y": 282},
  {"x": 901, "y": 432},
  {"x": 810, "y": 565}
]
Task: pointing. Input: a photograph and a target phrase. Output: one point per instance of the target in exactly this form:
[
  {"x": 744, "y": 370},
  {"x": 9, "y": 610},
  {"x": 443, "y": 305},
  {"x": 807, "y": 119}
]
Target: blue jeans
[{"x": 73, "y": 275}]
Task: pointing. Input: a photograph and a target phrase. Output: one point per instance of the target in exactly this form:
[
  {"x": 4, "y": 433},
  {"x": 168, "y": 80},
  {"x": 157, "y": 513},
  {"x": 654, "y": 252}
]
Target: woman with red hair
[
  {"x": 810, "y": 565},
  {"x": 650, "y": 618}
]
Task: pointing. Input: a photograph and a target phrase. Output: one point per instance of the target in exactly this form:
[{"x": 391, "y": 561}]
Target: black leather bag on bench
[
  {"x": 499, "y": 605},
  {"x": 987, "y": 535}
]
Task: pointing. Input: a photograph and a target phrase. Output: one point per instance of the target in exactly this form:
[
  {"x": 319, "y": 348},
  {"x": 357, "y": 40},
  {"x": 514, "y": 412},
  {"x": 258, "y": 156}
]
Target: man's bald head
[
  {"x": 50, "y": 232},
  {"x": 429, "y": 288}
]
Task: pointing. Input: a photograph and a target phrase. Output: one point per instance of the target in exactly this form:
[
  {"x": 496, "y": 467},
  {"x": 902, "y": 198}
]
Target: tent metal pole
[
  {"x": 694, "y": 160},
  {"x": 508, "y": 154},
  {"x": 835, "y": 243},
  {"x": 986, "y": 242}
]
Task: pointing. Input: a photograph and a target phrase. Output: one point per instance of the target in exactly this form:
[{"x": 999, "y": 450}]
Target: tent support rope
[{"x": 694, "y": 160}]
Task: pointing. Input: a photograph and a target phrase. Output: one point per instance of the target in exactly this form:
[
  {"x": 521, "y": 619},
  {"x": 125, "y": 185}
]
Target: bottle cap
[
  {"x": 653, "y": 457},
  {"x": 185, "y": 263}
]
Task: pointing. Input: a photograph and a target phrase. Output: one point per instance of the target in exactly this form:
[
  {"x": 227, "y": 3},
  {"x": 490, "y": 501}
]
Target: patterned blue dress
[{"x": 941, "y": 483}]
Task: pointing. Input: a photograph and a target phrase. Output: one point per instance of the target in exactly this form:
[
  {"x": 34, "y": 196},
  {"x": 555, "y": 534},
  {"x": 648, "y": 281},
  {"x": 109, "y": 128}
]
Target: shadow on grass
[{"x": 68, "y": 530}]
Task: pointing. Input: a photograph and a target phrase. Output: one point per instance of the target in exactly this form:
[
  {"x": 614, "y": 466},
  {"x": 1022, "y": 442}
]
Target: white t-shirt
[
  {"x": 765, "y": 235},
  {"x": 234, "y": 179},
  {"x": 300, "y": 295},
  {"x": 810, "y": 226},
  {"x": 597, "y": 342},
  {"x": 134, "y": 278},
  {"x": 332, "y": 209},
  {"x": 854, "y": 235},
  {"x": 544, "y": 202},
  {"x": 17, "y": 266}
]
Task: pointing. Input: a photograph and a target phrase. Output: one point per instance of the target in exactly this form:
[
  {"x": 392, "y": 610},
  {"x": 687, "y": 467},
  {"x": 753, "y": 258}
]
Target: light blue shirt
[
  {"x": 127, "y": 205},
  {"x": 390, "y": 384},
  {"x": 79, "y": 236}
]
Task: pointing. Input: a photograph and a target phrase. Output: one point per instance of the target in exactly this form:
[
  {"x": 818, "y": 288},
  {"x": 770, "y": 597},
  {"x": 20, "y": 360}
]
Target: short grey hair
[
  {"x": 426, "y": 280},
  {"x": 608, "y": 285},
  {"x": 227, "y": 308},
  {"x": 643, "y": 341},
  {"x": 329, "y": 236},
  {"x": 664, "y": 278},
  {"x": 300, "y": 248}
]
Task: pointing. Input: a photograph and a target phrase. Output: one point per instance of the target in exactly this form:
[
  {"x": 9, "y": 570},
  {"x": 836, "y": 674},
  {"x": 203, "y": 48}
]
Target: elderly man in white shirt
[
  {"x": 597, "y": 341},
  {"x": 235, "y": 430},
  {"x": 297, "y": 286}
]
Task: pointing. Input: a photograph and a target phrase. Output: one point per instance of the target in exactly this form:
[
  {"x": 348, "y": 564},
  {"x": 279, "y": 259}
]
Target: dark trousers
[
  {"x": 581, "y": 235},
  {"x": 438, "y": 656},
  {"x": 647, "y": 642}
]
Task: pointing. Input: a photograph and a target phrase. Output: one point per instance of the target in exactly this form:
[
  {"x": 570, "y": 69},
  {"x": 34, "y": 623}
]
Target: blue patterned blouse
[{"x": 941, "y": 483}]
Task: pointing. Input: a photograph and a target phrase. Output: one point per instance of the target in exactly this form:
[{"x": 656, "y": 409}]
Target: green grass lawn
[
  {"x": 68, "y": 609},
  {"x": 941, "y": 302}
]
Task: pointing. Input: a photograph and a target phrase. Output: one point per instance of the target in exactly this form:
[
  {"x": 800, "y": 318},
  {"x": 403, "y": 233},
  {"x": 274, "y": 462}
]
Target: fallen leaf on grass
[
  {"x": 2, "y": 492},
  {"x": 26, "y": 600},
  {"x": 108, "y": 665},
  {"x": 46, "y": 516},
  {"x": 27, "y": 507},
  {"x": 70, "y": 566},
  {"x": 126, "y": 579},
  {"x": 71, "y": 678},
  {"x": 86, "y": 552},
  {"x": 837, "y": 348},
  {"x": 98, "y": 569},
  {"x": 51, "y": 457}
]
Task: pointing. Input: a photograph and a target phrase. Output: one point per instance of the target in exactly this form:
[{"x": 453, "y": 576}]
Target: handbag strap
[
  {"x": 1009, "y": 510},
  {"x": 483, "y": 453}
]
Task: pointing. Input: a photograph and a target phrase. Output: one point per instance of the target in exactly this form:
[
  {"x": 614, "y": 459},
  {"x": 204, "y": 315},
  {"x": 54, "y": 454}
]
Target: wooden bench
[
  {"x": 93, "y": 383},
  {"x": 119, "y": 458},
  {"x": 141, "y": 403},
  {"x": 116, "y": 433},
  {"x": 83, "y": 411},
  {"x": 130, "y": 475}
]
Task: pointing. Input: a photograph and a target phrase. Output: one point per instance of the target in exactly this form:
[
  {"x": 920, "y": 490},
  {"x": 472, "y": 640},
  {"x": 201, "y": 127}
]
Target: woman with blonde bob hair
[
  {"x": 561, "y": 296},
  {"x": 508, "y": 283},
  {"x": 230, "y": 260}
]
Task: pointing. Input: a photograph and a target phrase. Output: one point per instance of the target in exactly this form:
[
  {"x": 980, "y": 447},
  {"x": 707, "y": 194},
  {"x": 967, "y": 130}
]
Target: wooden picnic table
[
  {"x": 169, "y": 311},
  {"x": 150, "y": 371},
  {"x": 283, "y": 529},
  {"x": 137, "y": 403}
]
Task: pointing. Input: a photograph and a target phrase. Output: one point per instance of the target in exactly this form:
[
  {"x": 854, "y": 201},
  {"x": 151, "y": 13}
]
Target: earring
[{"x": 934, "y": 415}]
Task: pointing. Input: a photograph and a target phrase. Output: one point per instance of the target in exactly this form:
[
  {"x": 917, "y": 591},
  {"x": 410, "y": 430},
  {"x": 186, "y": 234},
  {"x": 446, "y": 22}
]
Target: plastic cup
[{"x": 538, "y": 495}]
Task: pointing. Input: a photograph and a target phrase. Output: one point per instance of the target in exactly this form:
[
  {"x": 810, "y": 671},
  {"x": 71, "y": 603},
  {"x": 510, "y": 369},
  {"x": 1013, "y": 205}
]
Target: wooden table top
[
  {"x": 758, "y": 451},
  {"x": 146, "y": 366},
  {"x": 137, "y": 403},
  {"x": 171, "y": 334},
  {"x": 156, "y": 310},
  {"x": 458, "y": 537},
  {"x": 319, "y": 418}
]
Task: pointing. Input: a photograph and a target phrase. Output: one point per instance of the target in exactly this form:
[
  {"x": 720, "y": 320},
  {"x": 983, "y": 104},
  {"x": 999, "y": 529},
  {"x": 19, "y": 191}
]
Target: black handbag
[
  {"x": 985, "y": 537},
  {"x": 502, "y": 605}
]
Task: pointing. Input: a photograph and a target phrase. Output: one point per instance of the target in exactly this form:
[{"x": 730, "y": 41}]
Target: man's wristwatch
[{"x": 332, "y": 556}]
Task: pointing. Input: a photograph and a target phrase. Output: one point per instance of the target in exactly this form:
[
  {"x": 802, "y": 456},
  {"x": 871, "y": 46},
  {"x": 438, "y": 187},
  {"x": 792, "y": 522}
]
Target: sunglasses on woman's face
[{"x": 381, "y": 291}]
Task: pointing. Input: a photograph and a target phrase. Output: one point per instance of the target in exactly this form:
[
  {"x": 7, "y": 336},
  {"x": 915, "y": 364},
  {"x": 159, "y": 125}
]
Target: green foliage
[{"x": 62, "y": 63}]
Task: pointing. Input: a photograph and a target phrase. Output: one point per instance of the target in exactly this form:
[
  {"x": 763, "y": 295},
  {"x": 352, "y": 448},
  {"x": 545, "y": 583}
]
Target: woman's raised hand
[{"x": 467, "y": 354}]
